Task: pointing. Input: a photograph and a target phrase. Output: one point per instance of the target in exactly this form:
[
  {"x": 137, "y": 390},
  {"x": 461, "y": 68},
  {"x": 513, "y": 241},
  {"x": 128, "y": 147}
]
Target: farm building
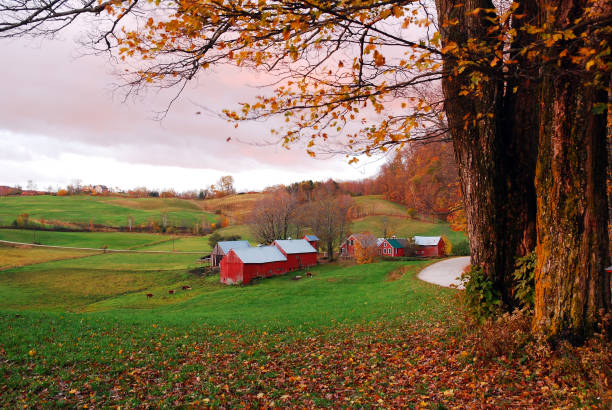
[
  {"x": 242, "y": 265},
  {"x": 313, "y": 240},
  {"x": 429, "y": 245},
  {"x": 347, "y": 249},
  {"x": 223, "y": 247},
  {"x": 394, "y": 247},
  {"x": 299, "y": 253}
]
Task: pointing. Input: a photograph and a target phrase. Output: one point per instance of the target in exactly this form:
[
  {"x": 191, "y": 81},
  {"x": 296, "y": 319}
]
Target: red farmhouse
[
  {"x": 242, "y": 265},
  {"x": 313, "y": 240},
  {"x": 393, "y": 247},
  {"x": 429, "y": 245},
  {"x": 300, "y": 254},
  {"x": 347, "y": 248}
]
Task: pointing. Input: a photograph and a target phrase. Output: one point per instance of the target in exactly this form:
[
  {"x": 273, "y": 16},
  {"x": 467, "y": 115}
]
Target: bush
[
  {"x": 524, "y": 278},
  {"x": 461, "y": 249},
  {"x": 481, "y": 297}
]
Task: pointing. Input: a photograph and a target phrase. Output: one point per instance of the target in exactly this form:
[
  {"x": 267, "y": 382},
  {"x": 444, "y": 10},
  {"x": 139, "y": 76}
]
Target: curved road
[{"x": 446, "y": 272}]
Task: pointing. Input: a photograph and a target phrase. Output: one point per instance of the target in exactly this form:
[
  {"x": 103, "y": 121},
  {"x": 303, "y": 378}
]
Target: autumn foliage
[{"x": 366, "y": 250}]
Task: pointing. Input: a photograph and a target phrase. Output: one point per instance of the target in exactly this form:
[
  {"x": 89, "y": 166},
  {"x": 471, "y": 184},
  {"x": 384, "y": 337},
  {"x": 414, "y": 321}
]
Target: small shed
[
  {"x": 242, "y": 265},
  {"x": 429, "y": 246},
  {"x": 223, "y": 247},
  {"x": 299, "y": 252},
  {"x": 393, "y": 247},
  {"x": 313, "y": 240}
]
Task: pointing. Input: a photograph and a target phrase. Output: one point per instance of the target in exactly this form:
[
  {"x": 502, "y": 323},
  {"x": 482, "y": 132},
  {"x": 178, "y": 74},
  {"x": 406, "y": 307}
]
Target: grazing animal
[
  {"x": 309, "y": 274},
  {"x": 171, "y": 291},
  {"x": 298, "y": 277},
  {"x": 186, "y": 287},
  {"x": 149, "y": 295}
]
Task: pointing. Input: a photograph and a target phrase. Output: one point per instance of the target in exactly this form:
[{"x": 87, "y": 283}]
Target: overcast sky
[{"x": 61, "y": 120}]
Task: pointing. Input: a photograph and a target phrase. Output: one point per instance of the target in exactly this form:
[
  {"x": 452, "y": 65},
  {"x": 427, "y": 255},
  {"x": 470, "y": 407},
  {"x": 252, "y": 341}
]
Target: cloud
[{"x": 55, "y": 107}]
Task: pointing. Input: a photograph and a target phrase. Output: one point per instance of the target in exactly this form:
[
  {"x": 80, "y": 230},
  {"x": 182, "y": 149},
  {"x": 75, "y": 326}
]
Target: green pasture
[
  {"x": 377, "y": 205},
  {"x": 112, "y": 240},
  {"x": 108, "y": 211}
]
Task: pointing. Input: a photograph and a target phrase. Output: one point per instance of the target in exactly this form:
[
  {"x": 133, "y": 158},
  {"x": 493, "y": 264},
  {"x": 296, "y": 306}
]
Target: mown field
[
  {"x": 108, "y": 211},
  {"x": 82, "y": 333}
]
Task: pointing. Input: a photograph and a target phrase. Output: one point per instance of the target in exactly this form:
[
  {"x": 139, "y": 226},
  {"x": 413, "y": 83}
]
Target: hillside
[
  {"x": 109, "y": 211},
  {"x": 374, "y": 213}
]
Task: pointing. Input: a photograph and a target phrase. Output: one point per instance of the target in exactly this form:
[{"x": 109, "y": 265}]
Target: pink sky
[{"x": 60, "y": 120}]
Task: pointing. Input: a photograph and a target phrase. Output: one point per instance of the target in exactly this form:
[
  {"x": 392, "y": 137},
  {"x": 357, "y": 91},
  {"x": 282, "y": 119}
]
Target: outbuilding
[
  {"x": 429, "y": 246},
  {"x": 313, "y": 240},
  {"x": 242, "y": 265},
  {"x": 393, "y": 247},
  {"x": 299, "y": 253},
  {"x": 223, "y": 247}
]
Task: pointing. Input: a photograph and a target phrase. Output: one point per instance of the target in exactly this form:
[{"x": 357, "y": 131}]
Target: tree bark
[
  {"x": 572, "y": 287},
  {"x": 495, "y": 156}
]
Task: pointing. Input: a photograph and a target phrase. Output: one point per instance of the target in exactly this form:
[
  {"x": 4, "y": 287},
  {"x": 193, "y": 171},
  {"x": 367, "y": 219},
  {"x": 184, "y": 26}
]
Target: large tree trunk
[
  {"x": 499, "y": 195},
  {"x": 572, "y": 287}
]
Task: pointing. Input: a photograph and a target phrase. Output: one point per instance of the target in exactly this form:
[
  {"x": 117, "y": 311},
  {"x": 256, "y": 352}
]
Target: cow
[
  {"x": 298, "y": 277},
  {"x": 171, "y": 292},
  {"x": 309, "y": 274},
  {"x": 186, "y": 287},
  {"x": 149, "y": 295}
]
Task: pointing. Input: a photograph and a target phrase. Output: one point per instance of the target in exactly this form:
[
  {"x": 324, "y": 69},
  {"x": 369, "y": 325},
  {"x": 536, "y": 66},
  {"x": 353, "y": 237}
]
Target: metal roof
[
  {"x": 260, "y": 254},
  {"x": 311, "y": 237},
  {"x": 379, "y": 241},
  {"x": 227, "y": 245},
  {"x": 427, "y": 240},
  {"x": 395, "y": 243},
  {"x": 291, "y": 246}
]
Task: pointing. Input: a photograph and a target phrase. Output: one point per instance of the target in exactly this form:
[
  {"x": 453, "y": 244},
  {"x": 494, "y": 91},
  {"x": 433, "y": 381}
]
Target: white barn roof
[
  {"x": 427, "y": 240},
  {"x": 227, "y": 245},
  {"x": 291, "y": 246},
  {"x": 260, "y": 254},
  {"x": 311, "y": 238}
]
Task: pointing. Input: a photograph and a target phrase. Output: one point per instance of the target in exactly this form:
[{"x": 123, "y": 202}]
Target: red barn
[
  {"x": 393, "y": 247},
  {"x": 313, "y": 240},
  {"x": 242, "y": 265},
  {"x": 429, "y": 246},
  {"x": 300, "y": 254}
]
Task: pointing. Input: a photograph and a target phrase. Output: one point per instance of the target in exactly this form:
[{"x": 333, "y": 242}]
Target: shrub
[
  {"x": 448, "y": 245},
  {"x": 481, "y": 297},
  {"x": 22, "y": 221},
  {"x": 524, "y": 279},
  {"x": 462, "y": 249}
]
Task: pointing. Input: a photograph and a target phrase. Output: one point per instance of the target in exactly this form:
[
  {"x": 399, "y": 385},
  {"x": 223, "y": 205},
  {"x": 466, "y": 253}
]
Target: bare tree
[
  {"x": 272, "y": 217},
  {"x": 329, "y": 217}
]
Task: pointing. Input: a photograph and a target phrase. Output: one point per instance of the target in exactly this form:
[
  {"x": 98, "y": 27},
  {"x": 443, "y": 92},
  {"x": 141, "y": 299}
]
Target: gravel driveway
[{"x": 446, "y": 272}]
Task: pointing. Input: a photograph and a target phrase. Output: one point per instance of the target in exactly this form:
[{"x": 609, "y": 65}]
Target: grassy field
[
  {"x": 11, "y": 257},
  {"x": 377, "y": 205},
  {"x": 82, "y": 333},
  {"x": 108, "y": 211},
  {"x": 113, "y": 240}
]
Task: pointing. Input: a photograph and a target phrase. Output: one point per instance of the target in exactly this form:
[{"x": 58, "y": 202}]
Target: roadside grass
[
  {"x": 113, "y": 240},
  {"x": 11, "y": 257},
  {"x": 406, "y": 227},
  {"x": 108, "y": 211}
]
